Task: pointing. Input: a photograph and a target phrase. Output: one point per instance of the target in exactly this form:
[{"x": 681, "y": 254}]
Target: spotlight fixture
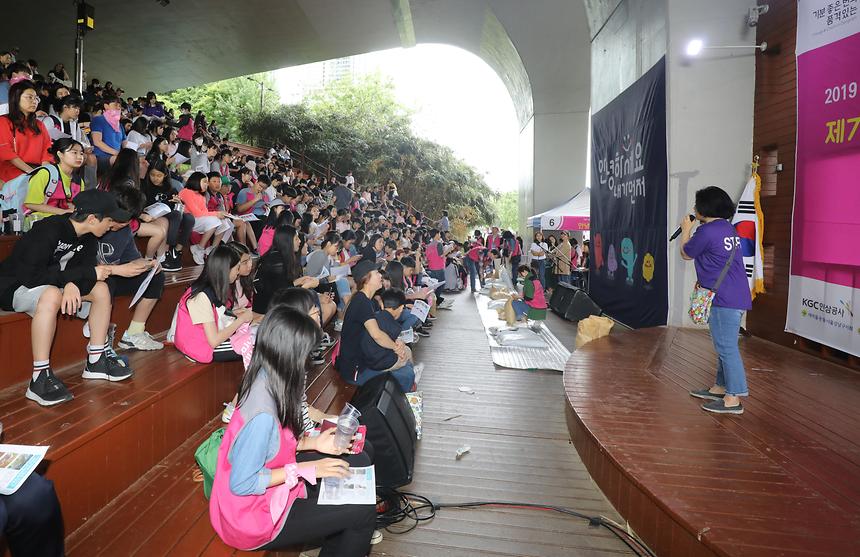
[{"x": 696, "y": 46}]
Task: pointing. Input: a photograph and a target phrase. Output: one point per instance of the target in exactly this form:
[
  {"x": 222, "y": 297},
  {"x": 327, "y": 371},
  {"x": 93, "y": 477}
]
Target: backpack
[{"x": 14, "y": 192}]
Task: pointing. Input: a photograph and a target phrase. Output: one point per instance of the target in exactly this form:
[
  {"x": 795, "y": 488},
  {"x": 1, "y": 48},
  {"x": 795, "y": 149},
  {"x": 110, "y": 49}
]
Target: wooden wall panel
[{"x": 775, "y": 129}]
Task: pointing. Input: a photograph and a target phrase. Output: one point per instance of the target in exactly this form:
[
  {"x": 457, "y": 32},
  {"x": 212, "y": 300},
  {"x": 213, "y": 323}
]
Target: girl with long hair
[
  {"x": 281, "y": 266},
  {"x": 266, "y": 490},
  {"x": 24, "y": 140},
  {"x": 204, "y": 324},
  {"x": 157, "y": 188},
  {"x": 125, "y": 172}
]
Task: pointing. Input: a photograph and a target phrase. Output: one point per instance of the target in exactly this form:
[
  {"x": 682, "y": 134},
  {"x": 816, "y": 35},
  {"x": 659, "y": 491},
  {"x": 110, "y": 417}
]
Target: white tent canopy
[{"x": 573, "y": 214}]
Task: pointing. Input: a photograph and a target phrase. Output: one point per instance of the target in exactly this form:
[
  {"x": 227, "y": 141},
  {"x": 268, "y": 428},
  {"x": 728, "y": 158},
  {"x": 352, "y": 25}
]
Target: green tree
[
  {"x": 506, "y": 206},
  {"x": 225, "y": 101},
  {"x": 360, "y": 126}
]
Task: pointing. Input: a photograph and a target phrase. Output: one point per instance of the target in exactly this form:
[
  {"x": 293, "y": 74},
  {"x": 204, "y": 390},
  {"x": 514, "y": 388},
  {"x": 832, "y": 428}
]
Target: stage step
[
  {"x": 112, "y": 433},
  {"x": 165, "y": 512},
  {"x": 69, "y": 342}
]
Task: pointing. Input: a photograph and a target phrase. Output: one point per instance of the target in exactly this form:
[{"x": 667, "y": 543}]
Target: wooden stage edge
[{"x": 781, "y": 479}]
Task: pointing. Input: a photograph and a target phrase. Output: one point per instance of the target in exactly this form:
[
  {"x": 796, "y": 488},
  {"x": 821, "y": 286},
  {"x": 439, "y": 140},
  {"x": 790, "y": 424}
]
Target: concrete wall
[
  {"x": 625, "y": 46},
  {"x": 710, "y": 102},
  {"x": 709, "y": 99}
]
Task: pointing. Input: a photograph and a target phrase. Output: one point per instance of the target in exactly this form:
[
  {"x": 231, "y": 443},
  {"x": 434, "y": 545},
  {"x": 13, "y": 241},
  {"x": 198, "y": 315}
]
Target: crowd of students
[{"x": 284, "y": 252}]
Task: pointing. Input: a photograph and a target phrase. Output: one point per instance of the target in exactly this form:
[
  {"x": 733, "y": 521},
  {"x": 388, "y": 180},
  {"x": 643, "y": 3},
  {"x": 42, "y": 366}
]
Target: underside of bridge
[{"x": 539, "y": 48}]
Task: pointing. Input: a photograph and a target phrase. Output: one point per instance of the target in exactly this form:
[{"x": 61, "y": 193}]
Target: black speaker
[
  {"x": 562, "y": 295},
  {"x": 390, "y": 429},
  {"x": 581, "y": 307}
]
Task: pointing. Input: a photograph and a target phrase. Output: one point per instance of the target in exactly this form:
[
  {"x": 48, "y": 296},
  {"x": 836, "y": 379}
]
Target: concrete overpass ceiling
[{"x": 538, "y": 47}]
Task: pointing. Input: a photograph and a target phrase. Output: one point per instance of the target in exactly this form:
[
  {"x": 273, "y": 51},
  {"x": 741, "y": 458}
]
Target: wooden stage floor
[
  {"x": 781, "y": 479},
  {"x": 520, "y": 451}
]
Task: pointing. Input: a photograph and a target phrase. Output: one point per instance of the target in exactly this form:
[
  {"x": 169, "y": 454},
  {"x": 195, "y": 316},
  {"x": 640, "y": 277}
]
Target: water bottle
[{"x": 17, "y": 223}]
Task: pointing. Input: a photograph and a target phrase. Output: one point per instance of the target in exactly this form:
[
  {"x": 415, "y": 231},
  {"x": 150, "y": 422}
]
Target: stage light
[{"x": 694, "y": 47}]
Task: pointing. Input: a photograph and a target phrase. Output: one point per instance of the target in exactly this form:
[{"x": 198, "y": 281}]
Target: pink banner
[{"x": 825, "y": 256}]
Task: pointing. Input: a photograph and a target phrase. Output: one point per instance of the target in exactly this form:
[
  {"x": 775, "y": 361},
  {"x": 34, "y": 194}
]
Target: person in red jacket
[{"x": 24, "y": 140}]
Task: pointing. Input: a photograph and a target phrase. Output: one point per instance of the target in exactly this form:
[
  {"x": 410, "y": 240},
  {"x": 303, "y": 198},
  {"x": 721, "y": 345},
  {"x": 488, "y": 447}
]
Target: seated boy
[
  {"x": 54, "y": 269},
  {"x": 378, "y": 357},
  {"x": 129, "y": 269}
]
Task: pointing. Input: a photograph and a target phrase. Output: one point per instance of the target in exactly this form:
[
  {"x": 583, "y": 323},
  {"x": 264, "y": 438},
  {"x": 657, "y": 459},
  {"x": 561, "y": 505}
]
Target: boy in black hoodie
[{"x": 53, "y": 269}]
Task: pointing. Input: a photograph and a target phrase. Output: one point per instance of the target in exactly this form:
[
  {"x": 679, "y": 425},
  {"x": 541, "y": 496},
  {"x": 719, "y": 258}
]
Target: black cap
[
  {"x": 363, "y": 267},
  {"x": 97, "y": 202}
]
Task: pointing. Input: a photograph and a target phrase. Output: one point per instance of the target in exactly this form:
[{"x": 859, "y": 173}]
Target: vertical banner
[
  {"x": 824, "y": 286},
  {"x": 628, "y": 269}
]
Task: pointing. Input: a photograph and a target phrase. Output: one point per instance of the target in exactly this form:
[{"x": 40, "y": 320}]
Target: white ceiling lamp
[{"x": 696, "y": 46}]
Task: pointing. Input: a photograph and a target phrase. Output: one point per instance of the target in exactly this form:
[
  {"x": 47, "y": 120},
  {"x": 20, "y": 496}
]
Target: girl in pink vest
[
  {"x": 204, "y": 325},
  {"x": 532, "y": 304},
  {"x": 265, "y": 492}
]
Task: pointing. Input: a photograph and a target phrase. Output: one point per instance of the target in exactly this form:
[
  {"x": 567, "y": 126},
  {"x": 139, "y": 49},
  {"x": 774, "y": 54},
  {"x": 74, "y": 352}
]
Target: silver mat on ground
[{"x": 553, "y": 356}]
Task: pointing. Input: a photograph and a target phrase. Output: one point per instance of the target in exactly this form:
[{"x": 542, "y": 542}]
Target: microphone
[{"x": 678, "y": 232}]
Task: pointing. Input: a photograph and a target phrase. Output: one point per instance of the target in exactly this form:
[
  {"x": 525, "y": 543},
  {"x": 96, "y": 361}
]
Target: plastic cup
[
  {"x": 350, "y": 410},
  {"x": 346, "y": 428}
]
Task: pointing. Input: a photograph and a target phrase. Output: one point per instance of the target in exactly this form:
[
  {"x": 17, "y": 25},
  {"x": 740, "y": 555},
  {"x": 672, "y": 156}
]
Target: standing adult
[
  {"x": 342, "y": 195},
  {"x": 538, "y": 251},
  {"x": 562, "y": 258},
  {"x": 715, "y": 250}
]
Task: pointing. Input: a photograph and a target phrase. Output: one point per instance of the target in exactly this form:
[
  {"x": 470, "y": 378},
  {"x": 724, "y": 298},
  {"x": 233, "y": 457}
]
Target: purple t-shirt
[{"x": 710, "y": 247}]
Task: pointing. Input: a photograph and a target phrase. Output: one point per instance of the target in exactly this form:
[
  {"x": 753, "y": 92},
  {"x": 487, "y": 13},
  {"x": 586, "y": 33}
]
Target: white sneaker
[
  {"x": 419, "y": 369},
  {"x": 327, "y": 340},
  {"x": 338, "y": 325},
  {"x": 139, "y": 341},
  {"x": 198, "y": 254},
  {"x": 376, "y": 538}
]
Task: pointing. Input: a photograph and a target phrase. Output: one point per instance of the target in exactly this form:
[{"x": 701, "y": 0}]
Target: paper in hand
[
  {"x": 420, "y": 309},
  {"x": 143, "y": 285},
  {"x": 157, "y": 210}
]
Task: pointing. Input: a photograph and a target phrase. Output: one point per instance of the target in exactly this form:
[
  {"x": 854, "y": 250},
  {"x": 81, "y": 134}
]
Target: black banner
[{"x": 628, "y": 268}]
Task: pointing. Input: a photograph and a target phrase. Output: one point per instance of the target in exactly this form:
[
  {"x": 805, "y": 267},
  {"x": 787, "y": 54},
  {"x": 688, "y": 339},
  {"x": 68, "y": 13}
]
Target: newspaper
[
  {"x": 341, "y": 271},
  {"x": 420, "y": 309},
  {"x": 407, "y": 336},
  {"x": 157, "y": 210},
  {"x": 249, "y": 217},
  {"x": 17, "y": 462},
  {"x": 358, "y": 488},
  {"x": 432, "y": 283}
]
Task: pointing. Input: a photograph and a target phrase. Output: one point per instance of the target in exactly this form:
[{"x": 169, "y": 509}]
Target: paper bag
[
  {"x": 510, "y": 314},
  {"x": 591, "y": 328}
]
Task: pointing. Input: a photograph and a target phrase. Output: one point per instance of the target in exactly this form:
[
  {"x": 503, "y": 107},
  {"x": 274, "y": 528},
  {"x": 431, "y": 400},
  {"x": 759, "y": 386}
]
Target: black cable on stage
[{"x": 397, "y": 506}]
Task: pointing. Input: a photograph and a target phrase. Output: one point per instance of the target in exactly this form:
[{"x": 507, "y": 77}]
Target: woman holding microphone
[{"x": 715, "y": 251}]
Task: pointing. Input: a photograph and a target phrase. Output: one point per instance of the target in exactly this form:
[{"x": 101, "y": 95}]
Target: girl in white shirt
[{"x": 538, "y": 252}]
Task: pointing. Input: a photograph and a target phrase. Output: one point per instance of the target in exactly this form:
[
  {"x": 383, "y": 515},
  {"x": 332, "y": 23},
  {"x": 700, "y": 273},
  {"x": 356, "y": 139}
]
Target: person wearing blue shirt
[{"x": 107, "y": 133}]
